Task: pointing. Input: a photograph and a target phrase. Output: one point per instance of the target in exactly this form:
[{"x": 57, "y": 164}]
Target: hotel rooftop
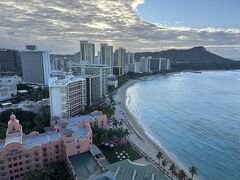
[{"x": 67, "y": 80}]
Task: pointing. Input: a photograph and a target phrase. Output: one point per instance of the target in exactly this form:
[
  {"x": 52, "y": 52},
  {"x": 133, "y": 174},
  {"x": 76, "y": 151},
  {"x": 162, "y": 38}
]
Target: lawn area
[{"x": 111, "y": 156}]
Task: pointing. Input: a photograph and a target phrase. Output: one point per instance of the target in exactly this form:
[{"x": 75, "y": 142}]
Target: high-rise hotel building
[
  {"x": 119, "y": 61},
  {"x": 35, "y": 66},
  {"x": 67, "y": 96},
  {"x": 106, "y": 55}
]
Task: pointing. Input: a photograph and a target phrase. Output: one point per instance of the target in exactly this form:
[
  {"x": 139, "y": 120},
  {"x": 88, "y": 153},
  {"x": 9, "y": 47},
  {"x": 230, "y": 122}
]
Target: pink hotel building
[{"x": 21, "y": 153}]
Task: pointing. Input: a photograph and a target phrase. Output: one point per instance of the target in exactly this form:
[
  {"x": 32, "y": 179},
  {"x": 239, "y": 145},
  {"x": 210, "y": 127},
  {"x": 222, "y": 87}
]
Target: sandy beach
[{"x": 138, "y": 138}]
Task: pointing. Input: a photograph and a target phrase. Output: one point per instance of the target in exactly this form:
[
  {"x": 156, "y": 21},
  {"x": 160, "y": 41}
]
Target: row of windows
[
  {"x": 16, "y": 170},
  {"x": 15, "y": 165},
  {"x": 17, "y": 176}
]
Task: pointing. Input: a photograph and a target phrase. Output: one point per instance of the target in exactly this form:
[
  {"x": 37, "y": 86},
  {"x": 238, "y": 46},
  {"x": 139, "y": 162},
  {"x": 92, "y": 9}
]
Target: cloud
[{"x": 59, "y": 25}]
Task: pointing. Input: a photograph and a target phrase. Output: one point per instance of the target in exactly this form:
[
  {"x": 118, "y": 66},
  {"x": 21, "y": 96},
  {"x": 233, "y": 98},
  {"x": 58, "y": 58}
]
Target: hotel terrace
[{"x": 68, "y": 139}]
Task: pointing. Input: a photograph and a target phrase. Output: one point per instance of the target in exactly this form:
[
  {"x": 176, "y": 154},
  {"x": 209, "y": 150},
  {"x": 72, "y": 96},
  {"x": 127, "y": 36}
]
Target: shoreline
[
  {"x": 138, "y": 135},
  {"x": 137, "y": 127}
]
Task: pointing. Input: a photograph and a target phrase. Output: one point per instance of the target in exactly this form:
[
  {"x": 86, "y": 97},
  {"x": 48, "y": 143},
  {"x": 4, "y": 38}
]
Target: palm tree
[
  {"x": 115, "y": 123},
  {"x": 159, "y": 156},
  {"x": 120, "y": 123},
  {"x": 193, "y": 171},
  {"x": 182, "y": 175},
  {"x": 126, "y": 133},
  {"x": 164, "y": 163},
  {"x": 172, "y": 168}
]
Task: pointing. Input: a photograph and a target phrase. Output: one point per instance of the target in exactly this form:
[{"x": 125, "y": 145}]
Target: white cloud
[{"x": 59, "y": 25}]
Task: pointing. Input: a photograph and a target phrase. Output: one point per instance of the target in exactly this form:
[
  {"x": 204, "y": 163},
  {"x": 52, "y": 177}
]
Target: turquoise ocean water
[{"x": 195, "y": 117}]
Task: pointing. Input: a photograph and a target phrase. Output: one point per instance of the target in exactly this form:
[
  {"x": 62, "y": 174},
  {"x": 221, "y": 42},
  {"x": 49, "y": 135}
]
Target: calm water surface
[{"x": 195, "y": 117}]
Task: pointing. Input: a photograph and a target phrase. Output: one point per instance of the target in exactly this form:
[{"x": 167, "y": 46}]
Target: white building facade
[{"x": 67, "y": 96}]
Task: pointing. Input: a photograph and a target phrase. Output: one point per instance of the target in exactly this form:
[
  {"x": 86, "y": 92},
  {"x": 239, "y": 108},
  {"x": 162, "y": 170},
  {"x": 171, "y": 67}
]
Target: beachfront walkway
[{"x": 137, "y": 137}]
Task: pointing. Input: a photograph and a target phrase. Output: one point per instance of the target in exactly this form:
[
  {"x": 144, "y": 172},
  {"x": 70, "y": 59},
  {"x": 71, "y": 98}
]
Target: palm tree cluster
[
  {"x": 100, "y": 135},
  {"x": 181, "y": 174}
]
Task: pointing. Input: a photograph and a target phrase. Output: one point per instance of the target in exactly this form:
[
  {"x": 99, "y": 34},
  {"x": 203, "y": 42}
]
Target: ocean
[{"x": 195, "y": 117}]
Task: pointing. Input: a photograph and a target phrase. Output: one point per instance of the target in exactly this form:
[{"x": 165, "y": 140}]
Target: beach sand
[{"x": 138, "y": 136}]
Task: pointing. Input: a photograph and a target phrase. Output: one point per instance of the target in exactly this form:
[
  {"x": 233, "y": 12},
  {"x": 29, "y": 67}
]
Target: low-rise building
[
  {"x": 33, "y": 106},
  {"x": 112, "y": 80},
  {"x": 8, "y": 87},
  {"x": 21, "y": 153}
]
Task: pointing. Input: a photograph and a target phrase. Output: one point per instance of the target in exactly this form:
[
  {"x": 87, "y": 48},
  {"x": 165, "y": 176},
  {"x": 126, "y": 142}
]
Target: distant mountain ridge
[{"x": 194, "y": 58}]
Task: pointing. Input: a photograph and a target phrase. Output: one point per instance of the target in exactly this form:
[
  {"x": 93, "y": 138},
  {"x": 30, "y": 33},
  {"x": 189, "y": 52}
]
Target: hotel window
[
  {"x": 21, "y": 169},
  {"x": 78, "y": 146},
  {"x": 27, "y": 155},
  {"x": 1, "y": 162},
  {"x": 10, "y": 172},
  {"x": 37, "y": 165},
  {"x": 10, "y": 165},
  {"x": 20, "y": 163},
  {"x": 3, "y": 174},
  {"x": 36, "y": 153},
  {"x": 45, "y": 149},
  {"x": 17, "y": 176},
  {"x": 36, "y": 159},
  {"x": 15, "y": 170},
  {"x": 28, "y": 167},
  {"x": 14, "y": 158},
  {"x": 15, "y": 164},
  {"x": 12, "y": 177},
  {"x": 2, "y": 168}
]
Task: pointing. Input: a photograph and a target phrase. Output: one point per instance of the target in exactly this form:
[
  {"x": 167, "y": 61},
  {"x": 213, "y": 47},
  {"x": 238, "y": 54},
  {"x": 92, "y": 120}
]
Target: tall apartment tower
[
  {"x": 67, "y": 96},
  {"x": 87, "y": 52},
  {"x": 93, "y": 89},
  {"x": 106, "y": 55},
  {"x": 35, "y": 66},
  {"x": 119, "y": 61},
  {"x": 130, "y": 58}
]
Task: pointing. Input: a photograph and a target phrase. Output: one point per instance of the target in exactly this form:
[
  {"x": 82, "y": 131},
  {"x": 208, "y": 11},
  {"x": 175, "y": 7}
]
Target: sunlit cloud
[{"x": 59, "y": 25}]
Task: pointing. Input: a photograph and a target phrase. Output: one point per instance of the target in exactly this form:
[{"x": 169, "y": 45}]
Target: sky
[{"x": 137, "y": 25}]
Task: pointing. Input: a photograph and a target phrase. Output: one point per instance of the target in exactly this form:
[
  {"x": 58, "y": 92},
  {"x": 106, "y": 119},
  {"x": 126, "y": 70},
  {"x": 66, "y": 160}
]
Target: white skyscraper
[
  {"x": 87, "y": 52},
  {"x": 35, "y": 66},
  {"x": 67, "y": 96},
  {"x": 106, "y": 55}
]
